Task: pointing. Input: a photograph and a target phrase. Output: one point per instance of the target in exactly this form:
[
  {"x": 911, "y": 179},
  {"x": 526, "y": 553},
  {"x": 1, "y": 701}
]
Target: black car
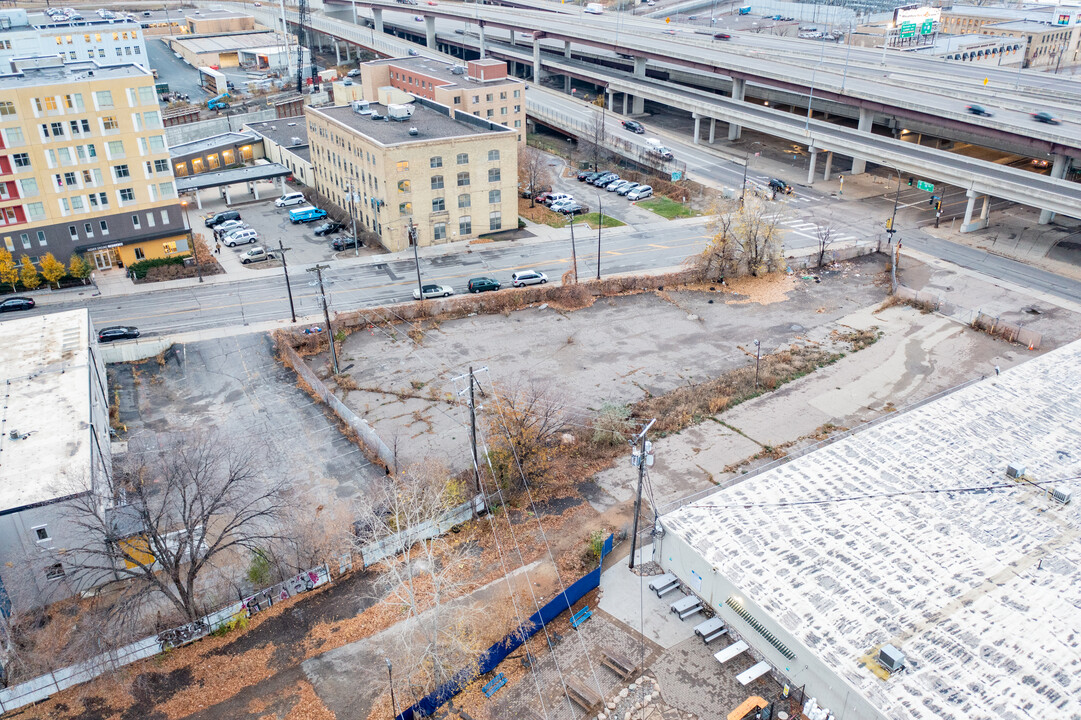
[
  {"x": 345, "y": 243},
  {"x": 17, "y": 303},
  {"x": 633, "y": 126},
  {"x": 1045, "y": 117},
  {"x": 585, "y": 175},
  {"x": 330, "y": 226},
  {"x": 780, "y": 186},
  {"x": 222, "y": 217},
  {"x": 483, "y": 284},
  {"x": 978, "y": 110},
  {"x": 117, "y": 332},
  {"x": 722, "y": 36}
]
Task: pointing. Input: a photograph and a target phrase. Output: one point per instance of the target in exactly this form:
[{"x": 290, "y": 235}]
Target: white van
[
  {"x": 288, "y": 199},
  {"x": 240, "y": 237},
  {"x": 594, "y": 8}
]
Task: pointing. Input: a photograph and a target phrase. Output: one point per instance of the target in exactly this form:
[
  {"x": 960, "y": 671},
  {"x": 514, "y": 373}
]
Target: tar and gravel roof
[
  {"x": 981, "y": 589},
  {"x": 69, "y": 73},
  {"x": 283, "y": 131},
  {"x": 430, "y": 124},
  {"x": 45, "y": 372},
  {"x": 240, "y": 40},
  {"x": 442, "y": 70}
]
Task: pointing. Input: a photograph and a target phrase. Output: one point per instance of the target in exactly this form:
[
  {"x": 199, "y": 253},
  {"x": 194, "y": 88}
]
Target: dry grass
[{"x": 924, "y": 306}]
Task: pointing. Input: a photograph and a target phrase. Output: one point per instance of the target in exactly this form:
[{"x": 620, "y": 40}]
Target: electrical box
[
  {"x": 1015, "y": 470},
  {"x": 891, "y": 659}
]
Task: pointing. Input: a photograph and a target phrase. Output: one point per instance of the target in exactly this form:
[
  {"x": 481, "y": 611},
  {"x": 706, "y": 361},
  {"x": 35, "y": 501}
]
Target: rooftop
[
  {"x": 45, "y": 372},
  {"x": 1004, "y": 13},
  {"x": 41, "y": 20},
  {"x": 1024, "y": 26},
  {"x": 215, "y": 14},
  {"x": 240, "y": 40},
  {"x": 442, "y": 70},
  {"x": 72, "y": 72},
  {"x": 283, "y": 131},
  {"x": 864, "y": 542},
  {"x": 431, "y": 123},
  {"x": 198, "y": 147}
]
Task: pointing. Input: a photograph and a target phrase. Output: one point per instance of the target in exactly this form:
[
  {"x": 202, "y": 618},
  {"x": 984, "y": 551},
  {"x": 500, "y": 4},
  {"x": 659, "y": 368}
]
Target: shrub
[
  {"x": 259, "y": 569},
  {"x": 141, "y": 268},
  {"x": 610, "y": 423}
]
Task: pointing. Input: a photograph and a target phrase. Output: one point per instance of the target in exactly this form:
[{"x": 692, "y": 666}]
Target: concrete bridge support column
[
  {"x": 536, "y": 61},
  {"x": 567, "y": 83},
  {"x": 483, "y": 43},
  {"x": 355, "y": 14},
  {"x": 429, "y": 28},
  {"x": 867, "y": 118},
  {"x": 712, "y": 130},
  {"x": 638, "y": 105},
  {"x": 811, "y": 168},
  {"x": 228, "y": 200},
  {"x": 640, "y": 67},
  {"x": 985, "y": 212},
  {"x": 348, "y": 54},
  {"x": 377, "y": 19},
  {"x": 609, "y": 99},
  {"x": 968, "y": 225},
  {"x": 337, "y": 53},
  {"x": 567, "y": 48},
  {"x": 512, "y": 42},
  {"x": 1058, "y": 170},
  {"x": 199, "y": 199},
  {"x": 739, "y": 87},
  {"x": 626, "y": 98},
  {"x": 829, "y": 166},
  {"x": 697, "y": 127}
]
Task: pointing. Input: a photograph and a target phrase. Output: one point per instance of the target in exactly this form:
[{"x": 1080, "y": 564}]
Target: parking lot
[
  {"x": 274, "y": 229},
  {"x": 595, "y": 198}
]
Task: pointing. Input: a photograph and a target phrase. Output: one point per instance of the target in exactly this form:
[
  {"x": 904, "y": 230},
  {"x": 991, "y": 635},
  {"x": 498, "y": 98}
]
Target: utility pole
[
  {"x": 757, "y": 360},
  {"x": 413, "y": 241},
  {"x": 390, "y": 676},
  {"x": 318, "y": 270},
  {"x": 600, "y": 224},
  {"x": 473, "y": 431},
  {"x": 743, "y": 191},
  {"x": 574, "y": 256},
  {"x": 288, "y": 288},
  {"x": 353, "y": 219},
  {"x": 641, "y": 456}
]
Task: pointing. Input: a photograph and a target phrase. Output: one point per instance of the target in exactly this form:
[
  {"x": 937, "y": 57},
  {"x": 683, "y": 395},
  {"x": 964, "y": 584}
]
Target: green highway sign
[
  {"x": 928, "y": 27},
  {"x": 925, "y": 186},
  {"x": 907, "y": 29}
]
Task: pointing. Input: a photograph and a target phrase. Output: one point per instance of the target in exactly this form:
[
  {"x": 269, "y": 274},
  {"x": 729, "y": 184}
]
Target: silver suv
[{"x": 528, "y": 277}]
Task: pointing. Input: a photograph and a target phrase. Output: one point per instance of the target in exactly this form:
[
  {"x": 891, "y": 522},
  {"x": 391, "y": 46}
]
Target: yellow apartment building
[
  {"x": 84, "y": 166},
  {"x": 481, "y": 87},
  {"x": 452, "y": 174}
]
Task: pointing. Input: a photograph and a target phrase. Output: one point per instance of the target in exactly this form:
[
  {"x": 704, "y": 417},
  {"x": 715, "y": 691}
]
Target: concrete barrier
[{"x": 134, "y": 350}]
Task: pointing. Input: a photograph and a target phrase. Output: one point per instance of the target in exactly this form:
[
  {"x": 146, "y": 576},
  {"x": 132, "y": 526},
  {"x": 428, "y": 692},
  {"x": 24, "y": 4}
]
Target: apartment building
[
  {"x": 108, "y": 42},
  {"x": 83, "y": 164},
  {"x": 1047, "y": 47},
  {"x": 481, "y": 88},
  {"x": 452, "y": 174}
]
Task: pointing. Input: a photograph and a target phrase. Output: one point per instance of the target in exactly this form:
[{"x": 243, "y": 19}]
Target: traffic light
[
  {"x": 938, "y": 206},
  {"x": 910, "y": 181},
  {"x": 889, "y": 224}
]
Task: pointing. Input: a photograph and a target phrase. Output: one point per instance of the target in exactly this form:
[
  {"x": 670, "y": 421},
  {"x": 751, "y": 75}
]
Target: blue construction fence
[{"x": 498, "y": 652}]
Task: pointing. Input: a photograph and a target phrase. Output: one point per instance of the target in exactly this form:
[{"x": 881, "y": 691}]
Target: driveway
[{"x": 180, "y": 76}]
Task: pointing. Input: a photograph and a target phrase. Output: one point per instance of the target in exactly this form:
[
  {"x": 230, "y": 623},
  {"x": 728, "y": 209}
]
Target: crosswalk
[{"x": 809, "y": 228}]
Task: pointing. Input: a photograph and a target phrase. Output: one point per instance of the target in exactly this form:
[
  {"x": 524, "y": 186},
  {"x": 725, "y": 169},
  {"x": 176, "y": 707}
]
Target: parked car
[
  {"x": 640, "y": 193},
  {"x": 229, "y": 226},
  {"x": 330, "y": 226},
  {"x": 584, "y": 175},
  {"x": 780, "y": 186},
  {"x": 528, "y": 277},
  {"x": 353, "y": 73},
  {"x": 288, "y": 199},
  {"x": 345, "y": 243},
  {"x": 662, "y": 151},
  {"x": 574, "y": 208},
  {"x": 617, "y": 185},
  {"x": 256, "y": 254},
  {"x": 483, "y": 284},
  {"x": 606, "y": 180},
  {"x": 17, "y": 303},
  {"x": 306, "y": 214},
  {"x": 1045, "y": 117},
  {"x": 434, "y": 291},
  {"x": 722, "y": 36},
  {"x": 240, "y": 237},
  {"x": 634, "y": 127},
  {"x": 558, "y": 206},
  {"x": 543, "y": 198},
  {"x": 117, "y": 332},
  {"x": 628, "y": 188},
  {"x": 528, "y": 191},
  {"x": 221, "y": 217},
  {"x": 553, "y": 198},
  {"x": 977, "y": 110}
]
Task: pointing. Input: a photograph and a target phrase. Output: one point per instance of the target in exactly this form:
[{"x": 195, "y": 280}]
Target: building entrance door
[{"x": 103, "y": 259}]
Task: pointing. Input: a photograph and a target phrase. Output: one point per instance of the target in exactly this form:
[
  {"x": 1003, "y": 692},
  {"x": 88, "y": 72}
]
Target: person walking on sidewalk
[{"x": 217, "y": 248}]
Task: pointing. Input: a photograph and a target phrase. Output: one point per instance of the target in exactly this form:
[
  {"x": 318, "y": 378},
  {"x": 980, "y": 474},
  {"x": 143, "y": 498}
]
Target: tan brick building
[
  {"x": 452, "y": 174},
  {"x": 481, "y": 88},
  {"x": 84, "y": 166}
]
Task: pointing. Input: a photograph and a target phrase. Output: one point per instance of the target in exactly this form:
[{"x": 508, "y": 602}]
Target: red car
[{"x": 722, "y": 36}]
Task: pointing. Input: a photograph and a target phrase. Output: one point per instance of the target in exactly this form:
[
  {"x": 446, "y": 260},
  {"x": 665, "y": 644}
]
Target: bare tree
[
  {"x": 824, "y": 235},
  {"x": 720, "y": 258},
  {"x": 523, "y": 422},
  {"x": 591, "y": 142},
  {"x": 421, "y": 575},
  {"x": 167, "y": 517},
  {"x": 759, "y": 235},
  {"x": 533, "y": 172}
]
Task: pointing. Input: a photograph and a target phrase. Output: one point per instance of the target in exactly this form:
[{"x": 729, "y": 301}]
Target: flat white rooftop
[
  {"x": 870, "y": 541},
  {"x": 45, "y": 376}
]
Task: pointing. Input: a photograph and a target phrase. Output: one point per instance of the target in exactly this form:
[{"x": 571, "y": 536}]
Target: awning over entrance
[{"x": 250, "y": 173}]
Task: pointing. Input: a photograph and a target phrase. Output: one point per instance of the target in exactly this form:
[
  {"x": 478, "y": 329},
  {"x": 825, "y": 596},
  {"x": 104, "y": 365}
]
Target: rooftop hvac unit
[
  {"x": 1015, "y": 470},
  {"x": 891, "y": 659},
  {"x": 458, "y": 70},
  {"x": 1061, "y": 495},
  {"x": 414, "y": 132},
  {"x": 362, "y": 107},
  {"x": 296, "y": 140}
]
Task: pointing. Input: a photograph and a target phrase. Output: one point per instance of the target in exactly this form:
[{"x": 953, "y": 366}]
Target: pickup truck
[
  {"x": 256, "y": 254},
  {"x": 306, "y": 214}
]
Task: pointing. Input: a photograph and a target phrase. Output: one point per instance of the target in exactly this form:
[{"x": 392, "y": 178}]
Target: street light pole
[
  {"x": 416, "y": 256},
  {"x": 318, "y": 270},
  {"x": 353, "y": 219},
  {"x": 191, "y": 236},
  {"x": 600, "y": 224},
  {"x": 574, "y": 256},
  {"x": 285, "y": 269},
  {"x": 896, "y": 197},
  {"x": 757, "y": 361},
  {"x": 390, "y": 677}
]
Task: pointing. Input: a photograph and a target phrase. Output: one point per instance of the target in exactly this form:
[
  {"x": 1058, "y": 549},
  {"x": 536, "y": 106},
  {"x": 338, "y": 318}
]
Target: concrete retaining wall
[
  {"x": 367, "y": 435},
  {"x": 808, "y": 262},
  {"x": 180, "y": 134},
  {"x": 134, "y": 350}
]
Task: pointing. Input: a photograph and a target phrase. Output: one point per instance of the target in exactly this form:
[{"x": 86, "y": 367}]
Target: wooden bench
[
  {"x": 619, "y": 665},
  {"x": 664, "y": 584},
  {"x": 579, "y": 693},
  {"x": 493, "y": 685},
  {"x": 710, "y": 629},
  {"x": 685, "y": 607},
  {"x": 581, "y": 616},
  {"x": 747, "y": 707}
]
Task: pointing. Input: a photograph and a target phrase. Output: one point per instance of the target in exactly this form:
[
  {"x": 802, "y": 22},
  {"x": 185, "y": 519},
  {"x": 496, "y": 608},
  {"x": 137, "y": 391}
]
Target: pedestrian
[
  {"x": 996, "y": 369},
  {"x": 217, "y": 248}
]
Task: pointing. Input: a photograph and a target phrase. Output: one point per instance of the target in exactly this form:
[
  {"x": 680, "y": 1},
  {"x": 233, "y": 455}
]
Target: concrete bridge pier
[
  {"x": 429, "y": 31},
  {"x": 985, "y": 213},
  {"x": 697, "y": 127},
  {"x": 813, "y": 151},
  {"x": 739, "y": 88},
  {"x": 712, "y": 130},
  {"x": 866, "y": 120},
  {"x": 829, "y": 166},
  {"x": 377, "y": 19},
  {"x": 1058, "y": 170},
  {"x": 483, "y": 42}
]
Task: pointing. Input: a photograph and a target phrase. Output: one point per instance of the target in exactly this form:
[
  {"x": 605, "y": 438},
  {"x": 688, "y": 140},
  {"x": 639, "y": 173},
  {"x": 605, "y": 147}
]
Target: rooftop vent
[
  {"x": 295, "y": 140},
  {"x": 413, "y": 131},
  {"x": 458, "y": 70},
  {"x": 1015, "y": 470},
  {"x": 292, "y": 124},
  {"x": 891, "y": 659},
  {"x": 1061, "y": 495}
]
